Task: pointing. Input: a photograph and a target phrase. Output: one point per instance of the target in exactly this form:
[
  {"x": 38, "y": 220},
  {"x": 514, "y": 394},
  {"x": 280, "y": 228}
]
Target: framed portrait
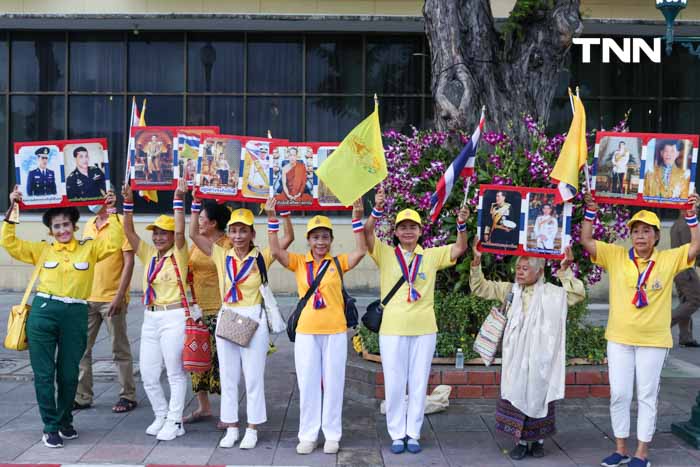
[
  {"x": 255, "y": 160},
  {"x": 522, "y": 221},
  {"x": 61, "y": 172},
  {"x": 218, "y": 164},
  {"x": 325, "y": 195},
  {"x": 644, "y": 169},
  {"x": 153, "y": 158},
  {"x": 188, "y": 139}
]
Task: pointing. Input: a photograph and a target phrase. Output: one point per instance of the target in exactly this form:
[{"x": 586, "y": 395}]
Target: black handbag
[
  {"x": 351, "y": 315},
  {"x": 372, "y": 319},
  {"x": 293, "y": 319}
]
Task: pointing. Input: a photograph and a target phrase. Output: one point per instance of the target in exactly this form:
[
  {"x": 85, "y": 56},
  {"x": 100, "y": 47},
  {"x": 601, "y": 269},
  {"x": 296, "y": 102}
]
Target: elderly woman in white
[{"x": 534, "y": 347}]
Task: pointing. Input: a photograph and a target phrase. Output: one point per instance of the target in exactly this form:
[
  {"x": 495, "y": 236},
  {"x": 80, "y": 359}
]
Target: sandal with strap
[
  {"x": 124, "y": 405},
  {"x": 196, "y": 416}
]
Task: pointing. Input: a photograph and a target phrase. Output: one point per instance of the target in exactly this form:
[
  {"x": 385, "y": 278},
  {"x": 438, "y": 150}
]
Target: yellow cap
[
  {"x": 408, "y": 215},
  {"x": 647, "y": 217},
  {"x": 317, "y": 222},
  {"x": 163, "y": 223},
  {"x": 241, "y": 216}
]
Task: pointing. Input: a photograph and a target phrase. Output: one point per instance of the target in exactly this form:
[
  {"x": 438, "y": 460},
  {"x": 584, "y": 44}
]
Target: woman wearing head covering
[
  {"x": 163, "y": 329},
  {"x": 320, "y": 349},
  {"x": 408, "y": 332},
  {"x": 57, "y": 326},
  {"x": 639, "y": 324},
  {"x": 238, "y": 281}
]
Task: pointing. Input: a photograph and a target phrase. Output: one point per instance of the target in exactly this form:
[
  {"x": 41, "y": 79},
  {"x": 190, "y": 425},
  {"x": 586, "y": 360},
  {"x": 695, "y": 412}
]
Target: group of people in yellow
[{"x": 84, "y": 282}]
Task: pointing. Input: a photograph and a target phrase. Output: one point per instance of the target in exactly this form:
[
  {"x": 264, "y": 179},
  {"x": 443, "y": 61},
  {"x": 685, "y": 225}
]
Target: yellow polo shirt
[
  {"x": 205, "y": 280},
  {"x": 108, "y": 272},
  {"x": 68, "y": 268},
  {"x": 403, "y": 318},
  {"x": 649, "y": 326},
  {"x": 328, "y": 320},
  {"x": 250, "y": 288},
  {"x": 165, "y": 283}
]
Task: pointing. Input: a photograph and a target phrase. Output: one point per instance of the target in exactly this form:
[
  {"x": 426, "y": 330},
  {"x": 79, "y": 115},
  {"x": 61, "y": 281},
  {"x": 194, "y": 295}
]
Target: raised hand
[
  {"x": 568, "y": 258},
  {"x": 270, "y": 208},
  {"x": 463, "y": 214},
  {"x": 379, "y": 198},
  {"x": 181, "y": 189},
  {"x": 358, "y": 209},
  {"x": 476, "y": 258},
  {"x": 127, "y": 194},
  {"x": 589, "y": 202},
  {"x": 15, "y": 195}
]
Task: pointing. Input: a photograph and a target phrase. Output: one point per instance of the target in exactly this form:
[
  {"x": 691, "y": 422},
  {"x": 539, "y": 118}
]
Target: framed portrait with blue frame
[{"x": 522, "y": 221}]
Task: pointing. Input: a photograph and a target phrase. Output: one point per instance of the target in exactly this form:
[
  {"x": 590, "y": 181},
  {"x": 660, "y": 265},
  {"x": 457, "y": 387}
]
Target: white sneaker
[
  {"x": 155, "y": 427},
  {"x": 331, "y": 447},
  {"x": 229, "y": 438},
  {"x": 170, "y": 431},
  {"x": 306, "y": 447},
  {"x": 250, "y": 440}
]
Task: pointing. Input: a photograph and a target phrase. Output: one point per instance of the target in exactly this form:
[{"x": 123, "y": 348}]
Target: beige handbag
[
  {"x": 16, "y": 338},
  {"x": 235, "y": 327}
]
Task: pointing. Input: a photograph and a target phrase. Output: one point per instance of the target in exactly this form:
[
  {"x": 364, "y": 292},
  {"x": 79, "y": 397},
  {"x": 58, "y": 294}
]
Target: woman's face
[
  {"x": 207, "y": 226},
  {"x": 163, "y": 240},
  {"x": 62, "y": 228},
  {"x": 408, "y": 232},
  {"x": 320, "y": 241},
  {"x": 644, "y": 237},
  {"x": 241, "y": 236},
  {"x": 525, "y": 273}
]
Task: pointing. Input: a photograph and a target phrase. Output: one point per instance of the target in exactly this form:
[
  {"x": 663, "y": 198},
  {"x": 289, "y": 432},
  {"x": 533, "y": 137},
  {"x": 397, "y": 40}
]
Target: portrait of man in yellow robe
[{"x": 669, "y": 177}]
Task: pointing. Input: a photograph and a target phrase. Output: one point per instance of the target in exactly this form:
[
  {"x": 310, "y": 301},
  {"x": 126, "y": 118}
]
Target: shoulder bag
[
  {"x": 348, "y": 301},
  {"x": 372, "y": 319},
  {"x": 293, "y": 319},
  {"x": 491, "y": 331},
  {"x": 275, "y": 321}
]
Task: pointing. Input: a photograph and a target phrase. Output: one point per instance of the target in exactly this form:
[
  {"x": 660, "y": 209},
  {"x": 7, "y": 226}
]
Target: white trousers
[
  {"x": 629, "y": 364},
  {"x": 251, "y": 361},
  {"x": 162, "y": 341},
  {"x": 406, "y": 362},
  {"x": 320, "y": 365}
]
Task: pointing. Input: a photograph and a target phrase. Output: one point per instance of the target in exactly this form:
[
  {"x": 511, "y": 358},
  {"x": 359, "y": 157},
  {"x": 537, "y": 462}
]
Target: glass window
[
  {"x": 679, "y": 72},
  {"x": 38, "y": 61},
  {"x": 429, "y": 113},
  {"x": 161, "y": 110},
  {"x": 6, "y": 157},
  {"x": 274, "y": 64},
  {"x": 629, "y": 79},
  {"x": 37, "y": 118},
  {"x": 4, "y": 61},
  {"x": 101, "y": 116},
  {"x": 215, "y": 63},
  {"x": 281, "y": 115},
  {"x": 226, "y": 112},
  {"x": 398, "y": 113},
  {"x": 680, "y": 117},
  {"x": 97, "y": 62},
  {"x": 644, "y": 116},
  {"x": 394, "y": 65},
  {"x": 334, "y": 64},
  {"x": 585, "y": 75},
  {"x": 156, "y": 62},
  {"x": 329, "y": 119}
]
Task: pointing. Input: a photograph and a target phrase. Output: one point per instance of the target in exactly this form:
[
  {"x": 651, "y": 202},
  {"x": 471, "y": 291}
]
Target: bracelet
[
  {"x": 178, "y": 205},
  {"x": 357, "y": 225},
  {"x": 273, "y": 225},
  {"x": 285, "y": 213},
  {"x": 589, "y": 215},
  {"x": 692, "y": 221},
  {"x": 461, "y": 226},
  {"x": 128, "y": 207},
  {"x": 196, "y": 207},
  {"x": 377, "y": 213}
]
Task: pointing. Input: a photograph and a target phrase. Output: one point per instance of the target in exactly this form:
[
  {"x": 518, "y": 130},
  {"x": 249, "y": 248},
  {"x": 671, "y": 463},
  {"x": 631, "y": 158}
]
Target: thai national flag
[{"x": 462, "y": 165}]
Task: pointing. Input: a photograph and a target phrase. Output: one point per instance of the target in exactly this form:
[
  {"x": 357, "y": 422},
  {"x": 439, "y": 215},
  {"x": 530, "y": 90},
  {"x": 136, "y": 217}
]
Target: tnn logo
[{"x": 630, "y": 51}]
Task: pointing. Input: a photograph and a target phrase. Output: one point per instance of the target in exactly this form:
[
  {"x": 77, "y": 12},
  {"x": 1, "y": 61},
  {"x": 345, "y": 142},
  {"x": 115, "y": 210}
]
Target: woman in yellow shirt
[
  {"x": 163, "y": 329},
  {"x": 205, "y": 284},
  {"x": 320, "y": 349},
  {"x": 408, "y": 332},
  {"x": 639, "y": 321},
  {"x": 57, "y": 325},
  {"x": 238, "y": 283}
]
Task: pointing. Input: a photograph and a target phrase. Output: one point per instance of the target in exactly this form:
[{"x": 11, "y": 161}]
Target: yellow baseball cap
[
  {"x": 163, "y": 223},
  {"x": 646, "y": 217},
  {"x": 408, "y": 215},
  {"x": 241, "y": 216},
  {"x": 318, "y": 222}
]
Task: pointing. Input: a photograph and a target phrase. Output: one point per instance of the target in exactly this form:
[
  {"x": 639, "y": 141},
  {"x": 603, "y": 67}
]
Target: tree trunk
[{"x": 473, "y": 66}]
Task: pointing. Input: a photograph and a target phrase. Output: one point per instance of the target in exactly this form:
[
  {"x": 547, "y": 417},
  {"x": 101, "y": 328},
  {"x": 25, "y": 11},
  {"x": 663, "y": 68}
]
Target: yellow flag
[
  {"x": 573, "y": 155},
  {"x": 358, "y": 164},
  {"x": 148, "y": 195}
]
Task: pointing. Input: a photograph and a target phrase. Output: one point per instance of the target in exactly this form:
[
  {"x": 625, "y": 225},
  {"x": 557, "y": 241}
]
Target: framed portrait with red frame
[
  {"x": 188, "y": 139},
  {"x": 644, "y": 169},
  {"x": 256, "y": 156},
  {"x": 218, "y": 167},
  {"x": 522, "y": 221},
  {"x": 62, "y": 172}
]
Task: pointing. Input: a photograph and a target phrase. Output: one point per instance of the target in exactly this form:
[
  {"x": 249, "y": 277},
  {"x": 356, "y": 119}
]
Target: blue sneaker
[
  {"x": 413, "y": 446},
  {"x": 637, "y": 462},
  {"x": 398, "y": 446},
  {"x": 615, "y": 459}
]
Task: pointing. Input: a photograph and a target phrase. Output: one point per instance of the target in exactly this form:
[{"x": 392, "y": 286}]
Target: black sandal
[
  {"x": 79, "y": 406},
  {"x": 124, "y": 405}
]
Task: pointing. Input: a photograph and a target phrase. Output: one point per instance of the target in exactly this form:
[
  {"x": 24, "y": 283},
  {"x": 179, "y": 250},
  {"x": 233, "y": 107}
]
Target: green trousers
[{"x": 57, "y": 334}]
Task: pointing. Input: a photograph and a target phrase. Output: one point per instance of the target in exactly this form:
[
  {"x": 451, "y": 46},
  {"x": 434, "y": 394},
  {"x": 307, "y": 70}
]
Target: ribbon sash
[
  {"x": 236, "y": 277},
  {"x": 153, "y": 270},
  {"x": 410, "y": 272},
  {"x": 318, "y": 302},
  {"x": 640, "y": 299}
]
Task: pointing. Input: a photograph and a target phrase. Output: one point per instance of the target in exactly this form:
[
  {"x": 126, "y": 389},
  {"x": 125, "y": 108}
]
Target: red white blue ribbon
[
  {"x": 236, "y": 277},
  {"x": 153, "y": 269},
  {"x": 410, "y": 272},
  {"x": 640, "y": 296},
  {"x": 318, "y": 302}
]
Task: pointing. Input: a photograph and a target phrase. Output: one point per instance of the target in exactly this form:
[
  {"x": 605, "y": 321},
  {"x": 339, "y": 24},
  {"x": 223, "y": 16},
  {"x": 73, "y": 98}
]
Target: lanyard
[
  {"x": 319, "y": 302},
  {"x": 153, "y": 270},
  {"x": 409, "y": 272},
  {"x": 237, "y": 277},
  {"x": 640, "y": 299}
]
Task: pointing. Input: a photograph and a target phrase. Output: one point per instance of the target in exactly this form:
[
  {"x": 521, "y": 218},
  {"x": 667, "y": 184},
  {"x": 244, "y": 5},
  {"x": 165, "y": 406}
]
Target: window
[
  {"x": 394, "y": 65},
  {"x": 97, "y": 62},
  {"x": 330, "y": 118},
  {"x": 334, "y": 65},
  {"x": 156, "y": 62},
  {"x": 226, "y": 112},
  {"x": 215, "y": 63},
  {"x": 37, "y": 118},
  {"x": 281, "y": 115},
  {"x": 38, "y": 62},
  {"x": 274, "y": 64}
]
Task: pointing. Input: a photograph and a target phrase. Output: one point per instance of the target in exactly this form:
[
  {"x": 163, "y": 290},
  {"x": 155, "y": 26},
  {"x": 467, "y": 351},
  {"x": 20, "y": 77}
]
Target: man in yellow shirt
[
  {"x": 108, "y": 303},
  {"x": 639, "y": 324},
  {"x": 57, "y": 325}
]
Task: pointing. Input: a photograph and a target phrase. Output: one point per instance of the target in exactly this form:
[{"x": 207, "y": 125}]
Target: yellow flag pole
[{"x": 586, "y": 170}]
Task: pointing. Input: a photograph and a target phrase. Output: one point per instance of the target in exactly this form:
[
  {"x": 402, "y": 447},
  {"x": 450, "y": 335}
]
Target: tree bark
[{"x": 473, "y": 66}]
